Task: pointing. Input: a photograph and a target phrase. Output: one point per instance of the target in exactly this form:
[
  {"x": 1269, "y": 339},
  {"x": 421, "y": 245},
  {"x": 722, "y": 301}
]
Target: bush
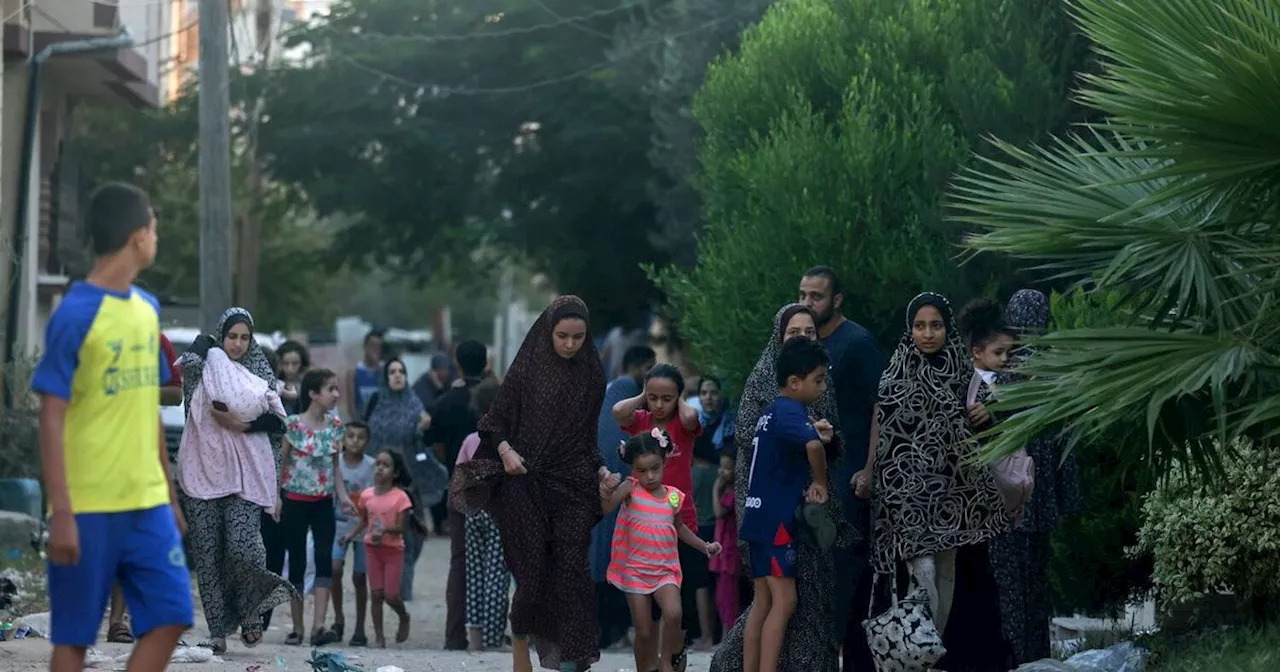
[
  {"x": 830, "y": 138},
  {"x": 1221, "y": 536},
  {"x": 1090, "y": 571}
]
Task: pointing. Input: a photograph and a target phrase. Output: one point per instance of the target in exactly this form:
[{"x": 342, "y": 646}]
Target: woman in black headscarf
[
  {"x": 812, "y": 642},
  {"x": 933, "y": 508},
  {"x": 538, "y": 473}
]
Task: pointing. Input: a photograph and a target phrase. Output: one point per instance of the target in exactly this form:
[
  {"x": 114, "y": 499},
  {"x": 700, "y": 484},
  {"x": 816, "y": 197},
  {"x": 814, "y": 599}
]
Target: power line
[
  {"x": 445, "y": 91},
  {"x": 559, "y": 22}
]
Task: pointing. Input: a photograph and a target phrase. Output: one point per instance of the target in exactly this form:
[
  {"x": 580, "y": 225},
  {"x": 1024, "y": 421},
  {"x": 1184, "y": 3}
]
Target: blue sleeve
[
  {"x": 63, "y": 338},
  {"x": 794, "y": 428},
  {"x": 166, "y": 368}
]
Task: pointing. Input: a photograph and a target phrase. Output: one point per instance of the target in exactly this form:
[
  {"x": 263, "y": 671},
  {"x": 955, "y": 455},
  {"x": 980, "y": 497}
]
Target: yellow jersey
[{"x": 102, "y": 356}]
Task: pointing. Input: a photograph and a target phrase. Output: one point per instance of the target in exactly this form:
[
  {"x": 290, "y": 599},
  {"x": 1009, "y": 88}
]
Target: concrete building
[{"x": 126, "y": 77}]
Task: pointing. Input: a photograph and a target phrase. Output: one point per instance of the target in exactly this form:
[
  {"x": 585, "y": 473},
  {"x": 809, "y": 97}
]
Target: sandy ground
[{"x": 422, "y": 653}]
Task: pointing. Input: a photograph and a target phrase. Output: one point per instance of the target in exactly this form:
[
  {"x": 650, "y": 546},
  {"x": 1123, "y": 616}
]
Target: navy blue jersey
[{"x": 779, "y": 472}]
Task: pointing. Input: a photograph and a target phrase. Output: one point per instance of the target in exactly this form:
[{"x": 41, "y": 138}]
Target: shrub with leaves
[
  {"x": 829, "y": 139},
  {"x": 1218, "y": 536}
]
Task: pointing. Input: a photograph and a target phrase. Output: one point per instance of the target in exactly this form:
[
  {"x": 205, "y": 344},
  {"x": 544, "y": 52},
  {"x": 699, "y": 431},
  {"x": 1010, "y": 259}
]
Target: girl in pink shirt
[{"x": 385, "y": 510}]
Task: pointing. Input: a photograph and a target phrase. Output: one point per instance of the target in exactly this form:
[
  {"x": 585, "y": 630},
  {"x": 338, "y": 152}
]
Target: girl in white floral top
[{"x": 310, "y": 479}]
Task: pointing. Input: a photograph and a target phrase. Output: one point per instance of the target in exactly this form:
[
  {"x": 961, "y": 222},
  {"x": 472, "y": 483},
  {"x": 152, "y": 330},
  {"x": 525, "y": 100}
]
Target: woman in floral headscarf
[
  {"x": 934, "y": 509},
  {"x": 1021, "y": 557}
]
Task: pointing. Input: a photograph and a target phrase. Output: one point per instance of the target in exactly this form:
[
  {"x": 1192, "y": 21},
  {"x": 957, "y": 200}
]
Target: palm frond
[
  {"x": 1081, "y": 210},
  {"x": 1198, "y": 78},
  {"x": 1184, "y": 389}
]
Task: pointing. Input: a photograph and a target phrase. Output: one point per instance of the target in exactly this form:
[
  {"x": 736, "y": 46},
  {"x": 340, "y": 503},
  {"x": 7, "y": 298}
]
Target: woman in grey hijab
[
  {"x": 236, "y": 585},
  {"x": 812, "y": 642}
]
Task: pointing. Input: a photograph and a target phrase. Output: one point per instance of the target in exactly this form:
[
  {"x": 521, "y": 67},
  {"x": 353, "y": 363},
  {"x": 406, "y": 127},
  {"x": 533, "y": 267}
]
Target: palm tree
[{"x": 1173, "y": 204}]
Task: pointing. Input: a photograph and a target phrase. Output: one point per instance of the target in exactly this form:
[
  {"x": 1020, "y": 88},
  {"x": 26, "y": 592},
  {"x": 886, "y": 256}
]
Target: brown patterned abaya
[{"x": 546, "y": 409}]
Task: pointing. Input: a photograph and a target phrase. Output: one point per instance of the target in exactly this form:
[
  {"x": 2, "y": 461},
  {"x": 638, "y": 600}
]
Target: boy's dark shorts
[{"x": 768, "y": 560}]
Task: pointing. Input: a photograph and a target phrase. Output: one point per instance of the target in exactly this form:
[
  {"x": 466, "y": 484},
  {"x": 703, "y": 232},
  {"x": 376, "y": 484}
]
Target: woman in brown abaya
[{"x": 538, "y": 473}]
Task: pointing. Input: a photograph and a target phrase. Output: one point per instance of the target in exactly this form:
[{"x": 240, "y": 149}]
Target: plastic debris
[
  {"x": 331, "y": 661},
  {"x": 389, "y": 668}
]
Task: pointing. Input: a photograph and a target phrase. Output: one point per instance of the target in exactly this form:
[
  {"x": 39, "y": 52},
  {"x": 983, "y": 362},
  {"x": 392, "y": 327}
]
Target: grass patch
[{"x": 1224, "y": 650}]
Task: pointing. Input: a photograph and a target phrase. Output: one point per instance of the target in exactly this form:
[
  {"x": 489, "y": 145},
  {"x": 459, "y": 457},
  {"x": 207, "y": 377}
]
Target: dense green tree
[
  {"x": 830, "y": 138},
  {"x": 443, "y": 126},
  {"x": 1172, "y": 205}
]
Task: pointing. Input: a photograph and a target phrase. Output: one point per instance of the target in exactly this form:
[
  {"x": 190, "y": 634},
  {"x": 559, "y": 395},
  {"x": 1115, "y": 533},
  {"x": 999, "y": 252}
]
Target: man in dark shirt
[
  {"x": 856, "y": 365},
  {"x": 451, "y": 422}
]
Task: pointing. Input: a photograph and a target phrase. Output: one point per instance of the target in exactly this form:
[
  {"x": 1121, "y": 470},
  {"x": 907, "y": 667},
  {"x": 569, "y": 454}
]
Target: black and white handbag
[{"x": 904, "y": 638}]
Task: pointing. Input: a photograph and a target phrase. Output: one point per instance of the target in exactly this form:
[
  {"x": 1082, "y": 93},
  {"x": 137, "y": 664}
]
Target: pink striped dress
[{"x": 645, "y": 553}]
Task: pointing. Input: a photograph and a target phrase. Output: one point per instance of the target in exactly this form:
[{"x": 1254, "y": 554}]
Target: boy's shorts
[
  {"x": 768, "y": 560},
  {"x": 141, "y": 550},
  {"x": 340, "y": 550}
]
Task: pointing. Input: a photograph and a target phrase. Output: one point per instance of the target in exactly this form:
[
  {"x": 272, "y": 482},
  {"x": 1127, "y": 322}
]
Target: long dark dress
[
  {"x": 1021, "y": 557},
  {"x": 812, "y": 642},
  {"x": 546, "y": 410}
]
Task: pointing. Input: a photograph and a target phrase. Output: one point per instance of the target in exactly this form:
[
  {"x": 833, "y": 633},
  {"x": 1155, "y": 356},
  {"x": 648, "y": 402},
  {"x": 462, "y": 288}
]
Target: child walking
[
  {"x": 728, "y": 565},
  {"x": 645, "y": 563},
  {"x": 113, "y": 514},
  {"x": 357, "y": 473},
  {"x": 386, "y": 511},
  {"x": 661, "y": 405},
  {"x": 784, "y": 437},
  {"x": 311, "y": 478},
  {"x": 488, "y": 581}
]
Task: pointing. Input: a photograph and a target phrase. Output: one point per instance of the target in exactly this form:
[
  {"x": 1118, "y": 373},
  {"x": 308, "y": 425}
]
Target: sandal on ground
[
  {"x": 250, "y": 639},
  {"x": 294, "y": 639},
  {"x": 119, "y": 633},
  {"x": 359, "y": 639},
  {"x": 321, "y": 637},
  {"x": 402, "y": 631},
  {"x": 217, "y": 646},
  {"x": 680, "y": 661},
  {"x": 337, "y": 628}
]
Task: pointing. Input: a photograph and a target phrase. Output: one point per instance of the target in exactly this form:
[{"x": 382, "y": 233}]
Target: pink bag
[{"x": 1015, "y": 474}]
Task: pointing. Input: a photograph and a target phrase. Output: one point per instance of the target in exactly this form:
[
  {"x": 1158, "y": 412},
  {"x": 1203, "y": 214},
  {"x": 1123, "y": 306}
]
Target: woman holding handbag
[{"x": 933, "y": 510}]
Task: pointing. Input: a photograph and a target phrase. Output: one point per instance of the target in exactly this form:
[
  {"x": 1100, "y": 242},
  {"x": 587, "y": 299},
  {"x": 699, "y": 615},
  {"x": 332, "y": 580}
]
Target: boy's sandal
[
  {"x": 294, "y": 639},
  {"x": 218, "y": 648},
  {"x": 119, "y": 633},
  {"x": 359, "y": 639},
  {"x": 321, "y": 637}
]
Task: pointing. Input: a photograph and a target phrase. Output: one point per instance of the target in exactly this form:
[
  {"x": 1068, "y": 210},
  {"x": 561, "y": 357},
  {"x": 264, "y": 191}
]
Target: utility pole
[{"x": 215, "y": 163}]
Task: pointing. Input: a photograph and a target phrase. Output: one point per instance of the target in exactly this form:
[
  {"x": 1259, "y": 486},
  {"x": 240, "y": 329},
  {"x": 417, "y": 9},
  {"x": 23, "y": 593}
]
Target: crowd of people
[{"x": 831, "y": 519}]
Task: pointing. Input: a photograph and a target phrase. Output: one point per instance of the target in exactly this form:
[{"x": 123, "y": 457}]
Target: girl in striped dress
[{"x": 645, "y": 562}]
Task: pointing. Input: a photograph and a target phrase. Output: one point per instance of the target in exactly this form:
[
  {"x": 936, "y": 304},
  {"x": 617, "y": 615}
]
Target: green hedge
[{"x": 830, "y": 138}]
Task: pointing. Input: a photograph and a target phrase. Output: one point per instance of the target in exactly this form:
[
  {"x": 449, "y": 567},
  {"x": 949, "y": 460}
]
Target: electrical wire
[{"x": 444, "y": 91}]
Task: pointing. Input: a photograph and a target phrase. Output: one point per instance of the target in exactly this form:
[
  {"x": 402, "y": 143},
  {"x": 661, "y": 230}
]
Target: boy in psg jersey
[
  {"x": 113, "y": 512},
  {"x": 787, "y": 447}
]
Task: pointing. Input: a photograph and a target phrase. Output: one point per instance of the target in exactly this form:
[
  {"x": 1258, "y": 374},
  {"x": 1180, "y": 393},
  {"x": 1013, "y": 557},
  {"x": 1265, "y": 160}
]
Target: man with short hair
[
  {"x": 114, "y": 515},
  {"x": 452, "y": 420},
  {"x": 856, "y": 365},
  {"x": 365, "y": 378}
]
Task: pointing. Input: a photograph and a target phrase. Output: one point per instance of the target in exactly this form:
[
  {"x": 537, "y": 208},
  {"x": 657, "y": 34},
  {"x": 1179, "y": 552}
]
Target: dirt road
[{"x": 422, "y": 653}]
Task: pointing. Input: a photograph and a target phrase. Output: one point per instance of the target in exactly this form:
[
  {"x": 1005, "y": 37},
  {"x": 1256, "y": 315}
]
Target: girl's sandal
[{"x": 294, "y": 639}]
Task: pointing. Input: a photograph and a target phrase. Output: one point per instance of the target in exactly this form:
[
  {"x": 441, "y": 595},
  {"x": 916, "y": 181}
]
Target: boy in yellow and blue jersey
[{"x": 114, "y": 515}]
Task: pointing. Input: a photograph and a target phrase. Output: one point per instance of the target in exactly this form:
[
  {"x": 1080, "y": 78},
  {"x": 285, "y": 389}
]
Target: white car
[{"x": 174, "y": 417}]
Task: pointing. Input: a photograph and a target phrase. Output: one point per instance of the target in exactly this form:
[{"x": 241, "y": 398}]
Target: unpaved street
[{"x": 422, "y": 653}]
